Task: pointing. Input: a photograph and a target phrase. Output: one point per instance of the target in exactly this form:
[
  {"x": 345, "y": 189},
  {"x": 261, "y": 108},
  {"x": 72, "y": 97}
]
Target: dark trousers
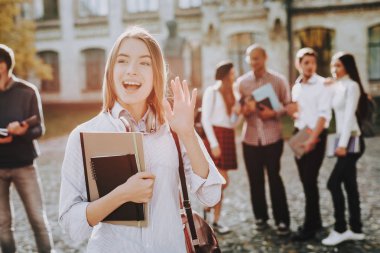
[
  {"x": 257, "y": 158},
  {"x": 345, "y": 172},
  {"x": 308, "y": 168}
]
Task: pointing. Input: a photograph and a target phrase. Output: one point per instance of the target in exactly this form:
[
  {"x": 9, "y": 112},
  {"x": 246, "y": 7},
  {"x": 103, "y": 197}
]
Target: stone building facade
[{"x": 75, "y": 37}]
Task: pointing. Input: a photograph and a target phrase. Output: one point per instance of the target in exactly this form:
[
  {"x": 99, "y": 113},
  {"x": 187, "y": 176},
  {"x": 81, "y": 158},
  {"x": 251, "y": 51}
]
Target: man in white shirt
[{"x": 312, "y": 109}]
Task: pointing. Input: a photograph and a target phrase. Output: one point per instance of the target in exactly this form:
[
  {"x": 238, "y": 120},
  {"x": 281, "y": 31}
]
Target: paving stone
[{"x": 237, "y": 211}]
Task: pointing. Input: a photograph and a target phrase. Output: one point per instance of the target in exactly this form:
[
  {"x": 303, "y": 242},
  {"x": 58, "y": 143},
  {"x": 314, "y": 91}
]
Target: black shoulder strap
[{"x": 186, "y": 201}]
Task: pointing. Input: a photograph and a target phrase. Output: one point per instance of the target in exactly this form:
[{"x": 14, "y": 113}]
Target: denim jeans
[{"x": 26, "y": 182}]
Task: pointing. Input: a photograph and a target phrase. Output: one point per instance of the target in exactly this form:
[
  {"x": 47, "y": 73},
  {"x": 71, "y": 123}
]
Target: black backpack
[{"x": 365, "y": 114}]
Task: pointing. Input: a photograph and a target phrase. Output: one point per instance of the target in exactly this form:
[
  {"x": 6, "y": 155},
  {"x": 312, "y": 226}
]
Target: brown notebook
[
  {"x": 109, "y": 159},
  {"x": 296, "y": 142}
]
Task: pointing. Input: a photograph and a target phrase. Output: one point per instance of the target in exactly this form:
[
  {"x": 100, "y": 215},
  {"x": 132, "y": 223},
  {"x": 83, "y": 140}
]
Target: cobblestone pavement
[{"x": 237, "y": 211}]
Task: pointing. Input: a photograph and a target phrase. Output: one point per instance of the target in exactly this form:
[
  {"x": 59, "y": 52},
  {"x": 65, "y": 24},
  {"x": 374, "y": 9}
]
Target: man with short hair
[
  {"x": 19, "y": 101},
  {"x": 263, "y": 143},
  {"x": 312, "y": 110}
]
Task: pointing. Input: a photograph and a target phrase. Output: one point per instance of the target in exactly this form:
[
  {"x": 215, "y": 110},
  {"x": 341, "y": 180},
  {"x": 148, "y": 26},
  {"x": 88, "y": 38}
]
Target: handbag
[
  {"x": 199, "y": 236},
  {"x": 198, "y": 119}
]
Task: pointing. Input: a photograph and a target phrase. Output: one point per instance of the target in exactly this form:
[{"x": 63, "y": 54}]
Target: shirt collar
[
  {"x": 254, "y": 77},
  {"x": 118, "y": 110},
  {"x": 345, "y": 77},
  {"x": 312, "y": 80}
]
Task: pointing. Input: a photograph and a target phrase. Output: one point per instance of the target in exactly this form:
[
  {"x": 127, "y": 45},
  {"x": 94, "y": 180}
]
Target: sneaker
[
  {"x": 220, "y": 229},
  {"x": 335, "y": 238},
  {"x": 282, "y": 229},
  {"x": 355, "y": 236},
  {"x": 261, "y": 224}
]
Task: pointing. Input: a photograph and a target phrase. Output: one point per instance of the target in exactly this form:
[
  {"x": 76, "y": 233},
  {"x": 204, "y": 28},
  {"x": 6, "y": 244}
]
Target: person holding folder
[
  {"x": 134, "y": 87},
  {"x": 347, "y": 91},
  {"x": 22, "y": 121},
  {"x": 263, "y": 143},
  {"x": 312, "y": 110}
]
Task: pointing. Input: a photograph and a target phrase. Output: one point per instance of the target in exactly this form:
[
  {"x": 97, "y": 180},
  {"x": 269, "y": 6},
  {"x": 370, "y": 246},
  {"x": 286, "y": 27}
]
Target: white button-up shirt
[
  {"x": 214, "y": 113},
  {"x": 314, "y": 101},
  {"x": 345, "y": 103},
  {"x": 164, "y": 232}
]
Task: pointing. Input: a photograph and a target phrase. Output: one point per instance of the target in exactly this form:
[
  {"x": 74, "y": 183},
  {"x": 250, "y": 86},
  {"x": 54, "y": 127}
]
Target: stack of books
[{"x": 109, "y": 160}]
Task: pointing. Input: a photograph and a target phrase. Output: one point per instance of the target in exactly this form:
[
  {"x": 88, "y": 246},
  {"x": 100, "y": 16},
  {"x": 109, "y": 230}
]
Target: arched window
[
  {"x": 51, "y": 58},
  {"x": 238, "y": 44},
  {"x": 322, "y": 41},
  {"x": 94, "y": 67},
  {"x": 374, "y": 52},
  {"x": 92, "y": 8},
  {"x": 135, "y": 6}
]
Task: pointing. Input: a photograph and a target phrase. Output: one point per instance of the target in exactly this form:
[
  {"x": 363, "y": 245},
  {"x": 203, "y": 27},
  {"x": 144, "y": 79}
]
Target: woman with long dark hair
[{"x": 348, "y": 90}]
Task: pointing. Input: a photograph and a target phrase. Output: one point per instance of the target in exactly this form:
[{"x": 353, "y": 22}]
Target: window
[
  {"x": 321, "y": 40},
  {"x": 41, "y": 10},
  {"x": 185, "y": 4},
  {"x": 238, "y": 44},
  {"x": 374, "y": 52},
  {"x": 94, "y": 64},
  {"x": 135, "y": 6},
  {"x": 91, "y": 8},
  {"x": 51, "y": 58}
]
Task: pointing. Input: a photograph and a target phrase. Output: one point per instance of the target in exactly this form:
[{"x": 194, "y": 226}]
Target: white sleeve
[
  {"x": 208, "y": 106},
  {"x": 324, "y": 103},
  {"x": 352, "y": 100},
  {"x": 73, "y": 195},
  {"x": 295, "y": 92},
  {"x": 208, "y": 190}
]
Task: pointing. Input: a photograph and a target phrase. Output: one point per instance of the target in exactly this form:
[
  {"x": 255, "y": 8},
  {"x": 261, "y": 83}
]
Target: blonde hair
[{"x": 156, "y": 97}]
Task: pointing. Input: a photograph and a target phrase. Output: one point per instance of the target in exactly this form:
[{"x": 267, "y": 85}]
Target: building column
[{"x": 68, "y": 55}]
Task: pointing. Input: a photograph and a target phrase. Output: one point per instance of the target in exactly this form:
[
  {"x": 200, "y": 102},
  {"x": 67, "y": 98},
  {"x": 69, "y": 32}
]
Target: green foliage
[{"x": 19, "y": 34}]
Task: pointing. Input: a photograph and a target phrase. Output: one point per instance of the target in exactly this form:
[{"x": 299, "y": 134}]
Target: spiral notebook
[
  {"x": 109, "y": 159},
  {"x": 111, "y": 171}
]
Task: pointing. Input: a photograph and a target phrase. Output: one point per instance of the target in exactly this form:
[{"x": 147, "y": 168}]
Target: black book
[
  {"x": 266, "y": 102},
  {"x": 111, "y": 171}
]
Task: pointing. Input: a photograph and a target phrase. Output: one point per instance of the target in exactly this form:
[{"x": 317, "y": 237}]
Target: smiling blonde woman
[{"x": 134, "y": 86}]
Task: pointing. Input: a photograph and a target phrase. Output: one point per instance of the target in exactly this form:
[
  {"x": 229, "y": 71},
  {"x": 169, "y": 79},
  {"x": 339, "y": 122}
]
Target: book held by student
[
  {"x": 296, "y": 142},
  {"x": 109, "y": 160},
  {"x": 353, "y": 145},
  {"x": 265, "y": 95}
]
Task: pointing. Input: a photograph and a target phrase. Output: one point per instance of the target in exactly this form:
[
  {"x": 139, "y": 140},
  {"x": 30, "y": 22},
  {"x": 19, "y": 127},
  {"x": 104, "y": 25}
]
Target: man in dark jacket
[{"x": 20, "y": 101}]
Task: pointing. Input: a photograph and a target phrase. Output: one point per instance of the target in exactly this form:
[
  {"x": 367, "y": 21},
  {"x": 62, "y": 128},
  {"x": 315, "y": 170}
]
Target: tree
[{"x": 18, "y": 33}]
